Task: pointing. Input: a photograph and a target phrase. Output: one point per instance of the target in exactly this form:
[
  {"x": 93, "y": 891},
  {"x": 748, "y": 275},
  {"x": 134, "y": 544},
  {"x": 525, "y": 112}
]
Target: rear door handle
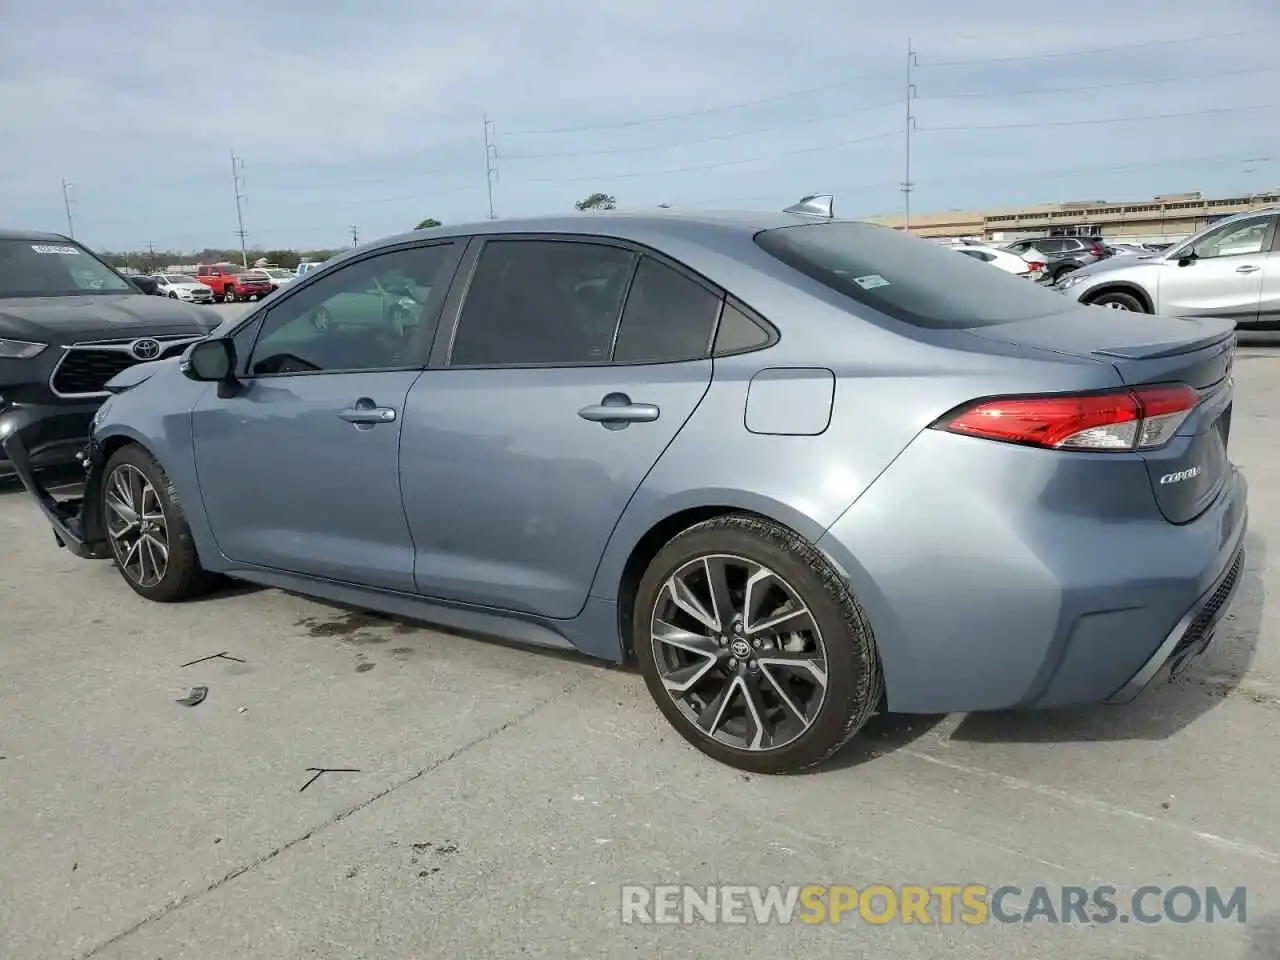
[
  {"x": 618, "y": 408},
  {"x": 364, "y": 412},
  {"x": 1247, "y": 268}
]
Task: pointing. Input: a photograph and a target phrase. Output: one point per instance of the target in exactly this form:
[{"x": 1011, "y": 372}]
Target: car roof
[
  {"x": 706, "y": 228},
  {"x": 38, "y": 235}
]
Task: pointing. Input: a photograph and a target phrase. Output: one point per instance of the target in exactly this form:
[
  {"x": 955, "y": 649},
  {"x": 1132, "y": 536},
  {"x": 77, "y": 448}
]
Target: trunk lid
[{"x": 1187, "y": 473}]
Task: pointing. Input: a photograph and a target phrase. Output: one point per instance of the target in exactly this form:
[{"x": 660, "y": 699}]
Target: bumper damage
[{"x": 76, "y": 521}]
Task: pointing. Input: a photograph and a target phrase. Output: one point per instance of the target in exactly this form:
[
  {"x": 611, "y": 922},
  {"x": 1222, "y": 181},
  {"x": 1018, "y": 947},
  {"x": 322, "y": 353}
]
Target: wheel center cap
[{"x": 740, "y": 649}]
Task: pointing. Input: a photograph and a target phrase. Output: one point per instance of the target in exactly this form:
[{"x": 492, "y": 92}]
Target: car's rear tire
[
  {"x": 1119, "y": 300},
  {"x": 150, "y": 539},
  {"x": 780, "y": 683}
]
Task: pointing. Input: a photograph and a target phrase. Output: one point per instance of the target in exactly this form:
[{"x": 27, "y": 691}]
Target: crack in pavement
[{"x": 186, "y": 899}]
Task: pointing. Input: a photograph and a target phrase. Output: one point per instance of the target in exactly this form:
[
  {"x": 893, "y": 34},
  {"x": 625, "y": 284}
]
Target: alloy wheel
[
  {"x": 739, "y": 652},
  {"x": 136, "y": 525},
  {"x": 1114, "y": 305}
]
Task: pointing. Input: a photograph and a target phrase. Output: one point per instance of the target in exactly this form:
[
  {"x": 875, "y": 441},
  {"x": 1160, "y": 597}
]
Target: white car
[
  {"x": 179, "y": 286},
  {"x": 1003, "y": 259},
  {"x": 278, "y": 276}
]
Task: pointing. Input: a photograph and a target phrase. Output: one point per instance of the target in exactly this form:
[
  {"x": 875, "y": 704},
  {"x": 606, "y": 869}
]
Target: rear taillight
[
  {"x": 1140, "y": 419},
  {"x": 1098, "y": 251}
]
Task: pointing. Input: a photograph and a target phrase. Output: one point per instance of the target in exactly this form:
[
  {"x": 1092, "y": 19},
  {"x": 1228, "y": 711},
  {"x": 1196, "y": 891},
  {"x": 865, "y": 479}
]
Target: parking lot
[{"x": 489, "y": 801}]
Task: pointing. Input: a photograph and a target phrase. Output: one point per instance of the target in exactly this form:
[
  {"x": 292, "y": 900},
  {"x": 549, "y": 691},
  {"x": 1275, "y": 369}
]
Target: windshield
[
  {"x": 61, "y": 269},
  {"x": 177, "y": 278},
  {"x": 910, "y": 279}
]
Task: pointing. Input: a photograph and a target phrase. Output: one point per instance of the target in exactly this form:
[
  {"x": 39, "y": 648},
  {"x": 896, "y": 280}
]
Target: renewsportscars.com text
[{"x": 967, "y": 904}]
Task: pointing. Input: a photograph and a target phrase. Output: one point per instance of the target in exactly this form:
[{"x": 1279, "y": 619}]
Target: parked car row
[
  {"x": 220, "y": 282},
  {"x": 1049, "y": 259}
]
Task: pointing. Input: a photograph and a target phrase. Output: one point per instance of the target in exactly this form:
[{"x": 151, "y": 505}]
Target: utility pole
[
  {"x": 237, "y": 165},
  {"x": 355, "y": 235},
  {"x": 151, "y": 256},
  {"x": 907, "y": 185},
  {"x": 66, "y": 203},
  {"x": 490, "y": 160}
]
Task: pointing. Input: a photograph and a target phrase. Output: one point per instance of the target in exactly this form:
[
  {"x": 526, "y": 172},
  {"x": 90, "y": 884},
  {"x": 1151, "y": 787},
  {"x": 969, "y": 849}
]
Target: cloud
[{"x": 373, "y": 114}]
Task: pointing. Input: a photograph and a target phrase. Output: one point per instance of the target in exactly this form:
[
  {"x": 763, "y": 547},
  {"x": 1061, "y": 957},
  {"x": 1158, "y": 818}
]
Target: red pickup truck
[
  {"x": 247, "y": 285},
  {"x": 220, "y": 277}
]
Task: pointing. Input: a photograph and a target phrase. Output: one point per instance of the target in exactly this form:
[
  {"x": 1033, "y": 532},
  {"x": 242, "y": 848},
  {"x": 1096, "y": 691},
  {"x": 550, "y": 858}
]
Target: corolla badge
[
  {"x": 1179, "y": 476},
  {"x": 145, "y": 349}
]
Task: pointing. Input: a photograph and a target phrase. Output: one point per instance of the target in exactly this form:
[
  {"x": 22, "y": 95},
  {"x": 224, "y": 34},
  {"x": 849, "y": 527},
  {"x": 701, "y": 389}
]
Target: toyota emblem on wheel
[{"x": 145, "y": 349}]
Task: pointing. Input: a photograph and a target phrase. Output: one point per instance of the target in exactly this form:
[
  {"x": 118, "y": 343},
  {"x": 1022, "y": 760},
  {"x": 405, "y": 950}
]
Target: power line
[
  {"x": 704, "y": 111},
  {"x": 691, "y": 143},
  {"x": 982, "y": 61},
  {"x": 1131, "y": 119},
  {"x": 723, "y": 163},
  {"x": 1180, "y": 78},
  {"x": 851, "y": 81}
]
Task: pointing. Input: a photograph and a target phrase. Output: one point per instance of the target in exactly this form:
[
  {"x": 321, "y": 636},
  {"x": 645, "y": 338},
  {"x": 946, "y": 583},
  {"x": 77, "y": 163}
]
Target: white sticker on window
[
  {"x": 871, "y": 281},
  {"x": 50, "y": 248}
]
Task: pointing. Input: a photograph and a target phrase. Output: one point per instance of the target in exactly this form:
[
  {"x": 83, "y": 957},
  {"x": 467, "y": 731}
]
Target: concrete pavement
[{"x": 501, "y": 796}]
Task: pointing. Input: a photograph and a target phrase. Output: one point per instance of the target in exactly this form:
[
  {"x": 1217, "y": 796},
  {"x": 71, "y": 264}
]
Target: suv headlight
[
  {"x": 1070, "y": 280},
  {"x": 20, "y": 349}
]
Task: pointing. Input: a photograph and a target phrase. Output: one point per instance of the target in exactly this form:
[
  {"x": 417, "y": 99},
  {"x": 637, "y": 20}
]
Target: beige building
[{"x": 1171, "y": 215}]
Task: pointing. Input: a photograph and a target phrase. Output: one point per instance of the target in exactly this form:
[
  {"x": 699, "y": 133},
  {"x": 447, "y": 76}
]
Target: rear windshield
[{"x": 908, "y": 278}]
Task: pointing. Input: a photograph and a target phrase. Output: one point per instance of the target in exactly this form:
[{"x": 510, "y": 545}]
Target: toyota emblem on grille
[{"x": 145, "y": 349}]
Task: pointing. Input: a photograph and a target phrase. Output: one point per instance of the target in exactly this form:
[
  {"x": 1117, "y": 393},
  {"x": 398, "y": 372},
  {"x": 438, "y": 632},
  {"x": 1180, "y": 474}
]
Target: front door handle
[
  {"x": 1247, "y": 268},
  {"x": 617, "y": 408},
  {"x": 364, "y": 412}
]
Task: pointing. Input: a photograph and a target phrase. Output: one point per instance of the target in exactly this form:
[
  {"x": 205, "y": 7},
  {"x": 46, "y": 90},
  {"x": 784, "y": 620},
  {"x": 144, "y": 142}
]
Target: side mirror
[
  {"x": 209, "y": 361},
  {"x": 1187, "y": 258}
]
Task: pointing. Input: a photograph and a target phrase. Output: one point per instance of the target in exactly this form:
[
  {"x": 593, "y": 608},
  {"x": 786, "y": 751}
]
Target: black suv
[{"x": 68, "y": 324}]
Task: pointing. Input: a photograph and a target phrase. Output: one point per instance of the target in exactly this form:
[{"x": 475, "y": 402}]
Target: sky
[{"x": 372, "y": 114}]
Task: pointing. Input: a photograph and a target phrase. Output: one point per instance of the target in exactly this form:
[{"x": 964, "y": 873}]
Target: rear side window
[
  {"x": 544, "y": 302},
  {"x": 908, "y": 278},
  {"x": 668, "y": 317}
]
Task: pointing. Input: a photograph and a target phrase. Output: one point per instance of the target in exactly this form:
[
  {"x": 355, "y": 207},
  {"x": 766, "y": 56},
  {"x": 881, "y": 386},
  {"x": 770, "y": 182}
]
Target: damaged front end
[{"x": 77, "y": 520}]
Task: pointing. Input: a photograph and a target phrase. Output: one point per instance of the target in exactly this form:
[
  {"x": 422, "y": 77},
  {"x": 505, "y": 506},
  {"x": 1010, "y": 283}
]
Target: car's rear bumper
[
  {"x": 36, "y": 437},
  {"x": 994, "y": 581}
]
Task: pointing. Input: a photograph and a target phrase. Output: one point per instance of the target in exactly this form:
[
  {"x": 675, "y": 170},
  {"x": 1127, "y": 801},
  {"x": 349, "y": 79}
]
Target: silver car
[
  {"x": 797, "y": 469},
  {"x": 1230, "y": 270}
]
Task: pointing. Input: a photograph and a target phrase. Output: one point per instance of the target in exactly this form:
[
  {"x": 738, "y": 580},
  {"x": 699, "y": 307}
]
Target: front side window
[
  {"x": 668, "y": 317},
  {"x": 548, "y": 302},
  {"x": 1246, "y": 237},
  {"x": 908, "y": 278},
  {"x": 379, "y": 313},
  {"x": 31, "y": 268}
]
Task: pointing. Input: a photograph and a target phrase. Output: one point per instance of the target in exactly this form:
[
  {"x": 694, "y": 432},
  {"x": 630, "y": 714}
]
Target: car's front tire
[
  {"x": 1119, "y": 300},
  {"x": 752, "y": 646},
  {"x": 150, "y": 539}
]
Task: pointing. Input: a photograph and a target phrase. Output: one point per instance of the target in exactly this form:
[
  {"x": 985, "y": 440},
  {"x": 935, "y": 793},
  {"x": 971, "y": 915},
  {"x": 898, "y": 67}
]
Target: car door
[
  {"x": 1268, "y": 317},
  {"x": 572, "y": 366},
  {"x": 1220, "y": 274},
  {"x": 298, "y": 467}
]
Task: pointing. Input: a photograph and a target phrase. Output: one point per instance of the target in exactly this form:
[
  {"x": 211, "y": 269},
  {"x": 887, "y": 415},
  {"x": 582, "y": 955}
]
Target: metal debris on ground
[
  {"x": 317, "y": 771},
  {"x": 194, "y": 696},
  {"x": 216, "y": 656}
]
